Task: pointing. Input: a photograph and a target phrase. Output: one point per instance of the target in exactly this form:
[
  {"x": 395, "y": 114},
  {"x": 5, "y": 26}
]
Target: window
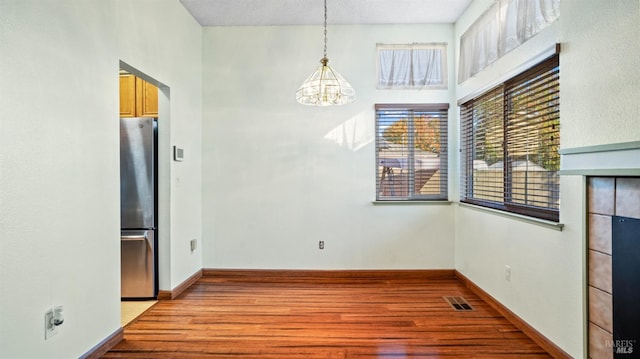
[
  {"x": 509, "y": 142},
  {"x": 504, "y": 26},
  {"x": 411, "y": 152},
  {"x": 412, "y": 66}
]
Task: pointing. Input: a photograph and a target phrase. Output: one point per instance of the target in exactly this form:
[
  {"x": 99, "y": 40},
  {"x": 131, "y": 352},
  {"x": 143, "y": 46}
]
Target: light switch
[{"x": 178, "y": 154}]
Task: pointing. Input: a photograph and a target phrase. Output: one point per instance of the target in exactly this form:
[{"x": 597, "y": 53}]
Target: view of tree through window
[
  {"x": 510, "y": 141},
  {"x": 426, "y": 132},
  {"x": 411, "y": 151}
]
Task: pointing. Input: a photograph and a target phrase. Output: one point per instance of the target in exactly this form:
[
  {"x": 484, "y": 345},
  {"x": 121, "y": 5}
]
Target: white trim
[
  {"x": 601, "y": 148},
  {"x": 620, "y": 159},
  {"x": 519, "y": 217},
  {"x": 412, "y": 202}
]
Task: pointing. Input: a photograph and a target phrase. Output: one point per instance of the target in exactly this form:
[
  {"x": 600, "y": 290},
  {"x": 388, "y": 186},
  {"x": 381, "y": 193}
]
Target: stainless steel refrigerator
[{"x": 138, "y": 208}]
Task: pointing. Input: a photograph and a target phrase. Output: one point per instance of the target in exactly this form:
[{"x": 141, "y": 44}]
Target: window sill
[
  {"x": 537, "y": 221},
  {"x": 410, "y": 203}
]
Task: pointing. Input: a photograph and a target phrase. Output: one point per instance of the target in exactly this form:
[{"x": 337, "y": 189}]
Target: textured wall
[
  {"x": 600, "y": 83},
  {"x": 59, "y": 160},
  {"x": 279, "y": 176},
  {"x": 599, "y": 91}
]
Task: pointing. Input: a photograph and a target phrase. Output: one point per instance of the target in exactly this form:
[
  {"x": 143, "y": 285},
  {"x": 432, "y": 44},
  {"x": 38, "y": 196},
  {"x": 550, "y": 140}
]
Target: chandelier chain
[
  {"x": 325, "y": 86},
  {"x": 325, "y": 28}
]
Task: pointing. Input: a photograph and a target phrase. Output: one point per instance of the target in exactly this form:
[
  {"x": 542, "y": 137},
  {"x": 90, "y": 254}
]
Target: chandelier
[{"x": 325, "y": 86}]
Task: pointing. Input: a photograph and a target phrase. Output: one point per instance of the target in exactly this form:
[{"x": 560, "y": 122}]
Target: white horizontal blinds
[
  {"x": 483, "y": 143},
  {"x": 412, "y": 66},
  {"x": 533, "y": 133},
  {"x": 411, "y": 152},
  {"x": 510, "y": 137}
]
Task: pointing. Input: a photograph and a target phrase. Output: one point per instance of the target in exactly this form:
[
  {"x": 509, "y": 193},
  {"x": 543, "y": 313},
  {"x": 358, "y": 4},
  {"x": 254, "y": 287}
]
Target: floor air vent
[{"x": 458, "y": 303}]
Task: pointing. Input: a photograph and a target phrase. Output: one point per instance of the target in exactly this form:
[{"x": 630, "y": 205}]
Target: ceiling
[{"x": 310, "y": 12}]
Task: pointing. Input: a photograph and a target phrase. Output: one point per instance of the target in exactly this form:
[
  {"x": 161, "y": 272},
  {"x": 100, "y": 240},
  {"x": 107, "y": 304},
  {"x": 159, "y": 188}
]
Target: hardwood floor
[{"x": 296, "y": 315}]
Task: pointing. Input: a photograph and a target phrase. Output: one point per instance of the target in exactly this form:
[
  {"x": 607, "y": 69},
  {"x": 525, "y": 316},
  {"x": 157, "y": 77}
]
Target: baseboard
[
  {"x": 104, "y": 346},
  {"x": 288, "y": 275},
  {"x": 115, "y": 338},
  {"x": 175, "y": 292},
  {"x": 530, "y": 331},
  {"x": 267, "y": 275}
]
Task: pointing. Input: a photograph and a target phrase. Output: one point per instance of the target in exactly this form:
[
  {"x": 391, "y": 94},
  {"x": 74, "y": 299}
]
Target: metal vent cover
[{"x": 459, "y": 304}]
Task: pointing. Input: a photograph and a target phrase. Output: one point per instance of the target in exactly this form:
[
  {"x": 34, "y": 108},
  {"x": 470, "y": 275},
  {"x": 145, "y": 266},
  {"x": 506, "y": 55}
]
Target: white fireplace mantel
[{"x": 617, "y": 159}]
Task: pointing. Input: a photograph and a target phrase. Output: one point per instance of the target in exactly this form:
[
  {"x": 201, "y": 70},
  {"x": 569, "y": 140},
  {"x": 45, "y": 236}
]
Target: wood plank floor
[{"x": 292, "y": 316}]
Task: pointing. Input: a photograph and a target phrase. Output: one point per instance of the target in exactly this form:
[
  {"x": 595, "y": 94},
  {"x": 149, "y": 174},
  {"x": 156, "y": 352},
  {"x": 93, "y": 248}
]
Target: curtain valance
[{"x": 500, "y": 29}]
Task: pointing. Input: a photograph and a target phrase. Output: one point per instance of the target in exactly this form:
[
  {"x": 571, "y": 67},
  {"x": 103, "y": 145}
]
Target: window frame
[
  {"x": 468, "y": 146},
  {"x": 442, "y": 111}
]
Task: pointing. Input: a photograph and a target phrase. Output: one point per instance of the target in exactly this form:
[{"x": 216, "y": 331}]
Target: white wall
[
  {"x": 600, "y": 84},
  {"x": 599, "y": 88},
  {"x": 59, "y": 160},
  {"x": 278, "y": 176},
  {"x": 162, "y": 40}
]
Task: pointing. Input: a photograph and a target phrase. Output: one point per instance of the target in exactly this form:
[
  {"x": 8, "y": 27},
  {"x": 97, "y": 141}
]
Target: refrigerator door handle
[
  {"x": 133, "y": 238},
  {"x": 143, "y": 237}
]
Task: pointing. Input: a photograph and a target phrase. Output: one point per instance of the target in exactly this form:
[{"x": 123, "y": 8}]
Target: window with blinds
[
  {"x": 510, "y": 137},
  {"x": 411, "y": 151}
]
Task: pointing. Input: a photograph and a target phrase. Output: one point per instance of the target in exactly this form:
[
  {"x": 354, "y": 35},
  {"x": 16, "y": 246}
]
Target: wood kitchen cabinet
[{"x": 138, "y": 98}]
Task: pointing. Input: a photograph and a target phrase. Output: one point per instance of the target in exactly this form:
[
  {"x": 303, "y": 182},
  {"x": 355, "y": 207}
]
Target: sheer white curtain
[
  {"x": 412, "y": 66},
  {"x": 502, "y": 28}
]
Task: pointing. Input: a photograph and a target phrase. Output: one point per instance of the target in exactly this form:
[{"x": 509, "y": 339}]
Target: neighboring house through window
[
  {"x": 509, "y": 144},
  {"x": 411, "y": 151}
]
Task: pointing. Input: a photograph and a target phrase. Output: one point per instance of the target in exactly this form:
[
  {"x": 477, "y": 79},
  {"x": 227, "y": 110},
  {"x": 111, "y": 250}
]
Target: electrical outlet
[
  {"x": 507, "y": 273},
  {"x": 321, "y": 245},
  {"x": 49, "y": 328},
  {"x": 194, "y": 244}
]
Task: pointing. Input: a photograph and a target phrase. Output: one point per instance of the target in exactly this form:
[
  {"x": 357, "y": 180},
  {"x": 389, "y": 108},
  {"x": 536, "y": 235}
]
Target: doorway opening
[{"x": 144, "y": 114}]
